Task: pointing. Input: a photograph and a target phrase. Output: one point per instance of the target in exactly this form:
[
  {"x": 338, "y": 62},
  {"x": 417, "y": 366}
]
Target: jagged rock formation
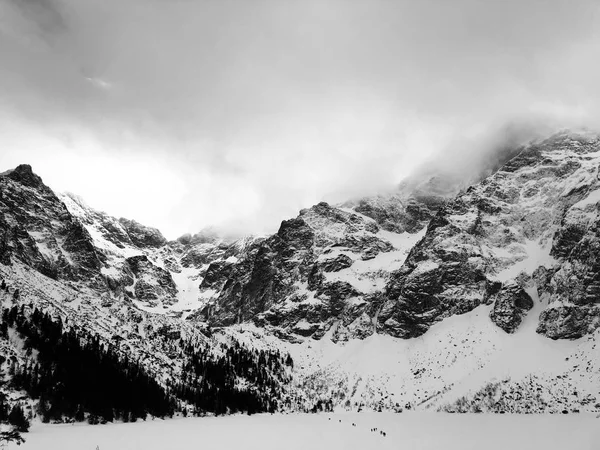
[
  {"x": 414, "y": 204},
  {"x": 142, "y": 236},
  {"x": 302, "y": 279},
  {"x": 519, "y": 246},
  {"x": 345, "y": 269},
  {"x": 510, "y": 305},
  {"x": 37, "y": 229},
  {"x": 511, "y": 223}
]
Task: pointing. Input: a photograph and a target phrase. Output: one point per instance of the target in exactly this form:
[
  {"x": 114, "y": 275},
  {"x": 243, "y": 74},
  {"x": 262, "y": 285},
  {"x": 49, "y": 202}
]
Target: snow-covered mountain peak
[
  {"x": 438, "y": 278},
  {"x": 24, "y": 175}
]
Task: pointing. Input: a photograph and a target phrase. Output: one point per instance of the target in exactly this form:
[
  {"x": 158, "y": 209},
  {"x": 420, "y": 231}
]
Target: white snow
[
  {"x": 403, "y": 241},
  {"x": 410, "y": 431},
  {"x": 516, "y": 355},
  {"x": 371, "y": 275},
  {"x": 158, "y": 309},
  {"x": 592, "y": 199},
  {"x": 457, "y": 356},
  {"x": 536, "y": 254},
  {"x": 188, "y": 289}
]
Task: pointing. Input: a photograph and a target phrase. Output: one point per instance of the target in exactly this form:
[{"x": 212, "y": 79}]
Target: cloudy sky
[{"x": 182, "y": 114}]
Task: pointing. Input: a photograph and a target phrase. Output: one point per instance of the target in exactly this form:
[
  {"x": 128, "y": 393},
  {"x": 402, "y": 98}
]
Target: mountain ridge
[{"x": 405, "y": 301}]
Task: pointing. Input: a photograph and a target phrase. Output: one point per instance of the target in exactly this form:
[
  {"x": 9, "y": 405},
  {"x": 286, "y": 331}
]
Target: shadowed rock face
[
  {"x": 392, "y": 264},
  {"x": 141, "y": 235},
  {"x": 24, "y": 175},
  {"x": 434, "y": 283},
  {"x": 483, "y": 236},
  {"x": 510, "y": 306},
  {"x": 149, "y": 281},
  {"x": 481, "y": 247},
  {"x": 568, "y": 321},
  {"x": 284, "y": 280},
  {"x": 37, "y": 229},
  {"x": 406, "y": 211}
]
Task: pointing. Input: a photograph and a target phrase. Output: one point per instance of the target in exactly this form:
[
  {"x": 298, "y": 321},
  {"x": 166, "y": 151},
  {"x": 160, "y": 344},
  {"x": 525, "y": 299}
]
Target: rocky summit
[{"x": 426, "y": 297}]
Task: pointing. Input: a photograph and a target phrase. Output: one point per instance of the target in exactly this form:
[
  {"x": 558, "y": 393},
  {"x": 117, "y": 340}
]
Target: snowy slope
[
  {"x": 330, "y": 431},
  {"x": 461, "y": 302},
  {"x": 181, "y": 265}
]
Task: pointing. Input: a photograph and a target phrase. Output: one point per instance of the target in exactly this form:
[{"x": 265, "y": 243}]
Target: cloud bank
[{"x": 182, "y": 114}]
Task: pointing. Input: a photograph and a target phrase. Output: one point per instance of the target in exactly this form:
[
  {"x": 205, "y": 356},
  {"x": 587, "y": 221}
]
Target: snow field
[{"x": 414, "y": 431}]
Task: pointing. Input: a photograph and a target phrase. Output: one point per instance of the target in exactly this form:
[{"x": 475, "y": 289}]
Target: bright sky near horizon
[{"x": 182, "y": 114}]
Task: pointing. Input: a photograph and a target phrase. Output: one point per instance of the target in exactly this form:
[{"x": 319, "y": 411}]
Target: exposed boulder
[
  {"x": 569, "y": 321},
  {"x": 336, "y": 264},
  {"x": 141, "y": 235},
  {"x": 510, "y": 306}
]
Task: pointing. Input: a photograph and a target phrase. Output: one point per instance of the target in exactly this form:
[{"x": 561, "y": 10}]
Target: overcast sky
[{"x": 181, "y": 114}]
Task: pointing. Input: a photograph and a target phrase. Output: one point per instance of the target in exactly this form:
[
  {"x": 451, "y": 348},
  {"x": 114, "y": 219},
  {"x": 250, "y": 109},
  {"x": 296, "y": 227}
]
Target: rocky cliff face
[
  {"x": 396, "y": 264},
  {"x": 37, "y": 229},
  {"x": 322, "y": 271},
  {"x": 528, "y": 228},
  {"x": 515, "y": 222},
  {"x": 516, "y": 249},
  {"x": 66, "y": 240}
]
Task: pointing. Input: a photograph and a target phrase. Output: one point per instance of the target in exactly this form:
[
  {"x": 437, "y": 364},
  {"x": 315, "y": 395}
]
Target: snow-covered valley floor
[{"x": 409, "y": 431}]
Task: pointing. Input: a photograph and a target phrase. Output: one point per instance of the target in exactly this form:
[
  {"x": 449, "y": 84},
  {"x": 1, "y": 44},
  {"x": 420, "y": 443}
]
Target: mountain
[
  {"x": 459, "y": 294},
  {"x": 78, "y": 282}
]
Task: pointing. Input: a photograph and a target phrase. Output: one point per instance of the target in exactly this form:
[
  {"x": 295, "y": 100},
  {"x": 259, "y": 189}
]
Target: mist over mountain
[
  {"x": 243, "y": 114},
  {"x": 216, "y": 209},
  {"x": 490, "y": 274}
]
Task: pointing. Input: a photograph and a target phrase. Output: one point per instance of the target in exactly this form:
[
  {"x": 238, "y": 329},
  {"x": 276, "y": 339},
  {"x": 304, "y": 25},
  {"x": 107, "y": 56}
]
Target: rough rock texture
[
  {"x": 568, "y": 321},
  {"x": 511, "y": 304},
  {"x": 338, "y": 263},
  {"x": 141, "y": 235},
  {"x": 411, "y": 207},
  {"x": 394, "y": 264},
  {"x": 510, "y": 223},
  {"x": 64, "y": 239},
  {"x": 149, "y": 281},
  {"x": 572, "y": 288},
  {"x": 37, "y": 229},
  {"x": 519, "y": 221},
  {"x": 345, "y": 272},
  {"x": 301, "y": 278}
]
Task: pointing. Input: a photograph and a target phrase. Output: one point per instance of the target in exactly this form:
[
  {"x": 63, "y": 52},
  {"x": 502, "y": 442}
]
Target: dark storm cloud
[{"x": 271, "y": 105}]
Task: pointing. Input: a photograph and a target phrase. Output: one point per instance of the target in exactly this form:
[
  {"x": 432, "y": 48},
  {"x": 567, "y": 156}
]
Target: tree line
[
  {"x": 237, "y": 379},
  {"x": 76, "y": 376}
]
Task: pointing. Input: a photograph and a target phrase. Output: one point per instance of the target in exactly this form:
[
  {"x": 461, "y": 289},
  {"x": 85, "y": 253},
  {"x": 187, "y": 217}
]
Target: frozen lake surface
[{"x": 411, "y": 431}]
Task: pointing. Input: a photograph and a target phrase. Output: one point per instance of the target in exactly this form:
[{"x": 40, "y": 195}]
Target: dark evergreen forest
[
  {"x": 212, "y": 382},
  {"x": 77, "y": 376},
  {"x": 74, "y": 377}
]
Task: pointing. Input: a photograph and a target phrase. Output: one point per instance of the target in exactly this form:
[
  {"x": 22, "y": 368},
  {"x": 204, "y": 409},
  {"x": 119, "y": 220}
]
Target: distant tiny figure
[{"x": 384, "y": 435}]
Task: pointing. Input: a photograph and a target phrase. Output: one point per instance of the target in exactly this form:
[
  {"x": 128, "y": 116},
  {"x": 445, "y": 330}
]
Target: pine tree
[
  {"x": 17, "y": 418},
  {"x": 80, "y": 414}
]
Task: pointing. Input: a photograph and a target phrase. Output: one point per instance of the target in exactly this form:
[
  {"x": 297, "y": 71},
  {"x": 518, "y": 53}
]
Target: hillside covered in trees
[{"x": 78, "y": 376}]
